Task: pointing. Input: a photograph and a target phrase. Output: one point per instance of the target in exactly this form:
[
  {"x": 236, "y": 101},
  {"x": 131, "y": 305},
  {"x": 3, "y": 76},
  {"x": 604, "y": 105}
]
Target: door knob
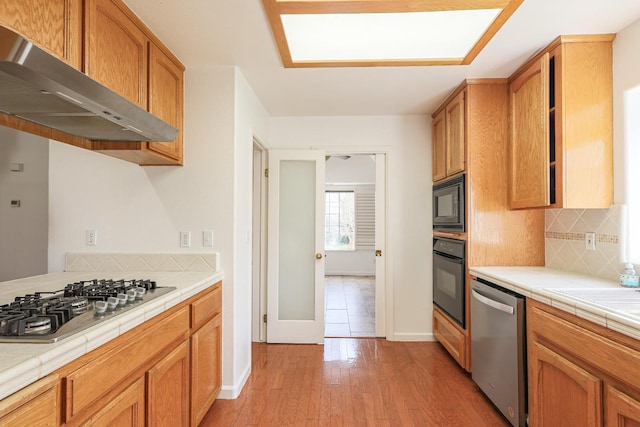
[{"x": 318, "y": 255}]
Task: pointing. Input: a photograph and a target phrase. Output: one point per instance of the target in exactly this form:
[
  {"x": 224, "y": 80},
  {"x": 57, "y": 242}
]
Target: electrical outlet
[
  {"x": 92, "y": 237},
  {"x": 590, "y": 241},
  {"x": 185, "y": 239},
  {"x": 207, "y": 238}
]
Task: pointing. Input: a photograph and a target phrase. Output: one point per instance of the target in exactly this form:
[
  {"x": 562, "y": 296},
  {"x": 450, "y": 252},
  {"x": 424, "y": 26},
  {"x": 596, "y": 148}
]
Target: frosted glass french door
[{"x": 295, "y": 285}]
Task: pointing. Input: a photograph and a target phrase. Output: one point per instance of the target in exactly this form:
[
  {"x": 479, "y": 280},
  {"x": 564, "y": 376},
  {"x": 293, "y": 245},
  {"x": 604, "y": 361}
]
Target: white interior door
[{"x": 295, "y": 285}]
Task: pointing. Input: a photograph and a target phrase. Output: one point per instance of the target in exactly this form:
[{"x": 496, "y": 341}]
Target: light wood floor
[{"x": 356, "y": 382}]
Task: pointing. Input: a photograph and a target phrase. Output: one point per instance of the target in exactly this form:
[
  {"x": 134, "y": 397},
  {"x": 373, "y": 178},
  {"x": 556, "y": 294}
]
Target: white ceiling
[{"x": 235, "y": 32}]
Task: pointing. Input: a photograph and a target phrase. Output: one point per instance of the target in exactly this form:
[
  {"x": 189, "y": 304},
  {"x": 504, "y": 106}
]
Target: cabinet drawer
[
  {"x": 94, "y": 380},
  {"x": 206, "y": 307},
  {"x": 452, "y": 339}
]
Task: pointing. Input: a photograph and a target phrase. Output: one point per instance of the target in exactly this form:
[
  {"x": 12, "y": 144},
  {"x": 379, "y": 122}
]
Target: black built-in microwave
[{"x": 448, "y": 205}]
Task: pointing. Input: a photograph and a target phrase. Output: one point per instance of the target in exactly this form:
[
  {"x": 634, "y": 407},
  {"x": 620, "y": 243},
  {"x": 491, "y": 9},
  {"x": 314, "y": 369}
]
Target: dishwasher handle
[{"x": 492, "y": 303}]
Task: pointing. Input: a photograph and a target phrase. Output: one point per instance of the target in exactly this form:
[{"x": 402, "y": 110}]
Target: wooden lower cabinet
[
  {"x": 451, "y": 336},
  {"x": 622, "y": 410},
  {"x": 35, "y": 405},
  {"x": 557, "y": 378},
  {"x": 165, "y": 372},
  {"x": 580, "y": 373},
  {"x": 206, "y": 375},
  {"x": 125, "y": 410},
  {"x": 168, "y": 389}
]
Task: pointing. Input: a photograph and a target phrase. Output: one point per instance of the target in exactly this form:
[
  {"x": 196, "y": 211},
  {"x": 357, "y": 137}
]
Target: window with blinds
[{"x": 350, "y": 218}]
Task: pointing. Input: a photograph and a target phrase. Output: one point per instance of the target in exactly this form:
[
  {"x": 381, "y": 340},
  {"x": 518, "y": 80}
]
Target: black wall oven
[
  {"x": 449, "y": 277},
  {"x": 448, "y": 205}
]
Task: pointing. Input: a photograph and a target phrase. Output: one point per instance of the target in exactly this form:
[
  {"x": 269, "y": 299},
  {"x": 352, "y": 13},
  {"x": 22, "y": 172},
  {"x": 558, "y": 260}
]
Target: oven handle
[{"x": 492, "y": 303}]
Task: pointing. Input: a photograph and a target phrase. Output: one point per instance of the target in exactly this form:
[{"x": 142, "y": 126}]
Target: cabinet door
[
  {"x": 455, "y": 120},
  {"x": 35, "y": 405},
  {"x": 166, "y": 99},
  {"x": 206, "y": 373},
  {"x": 439, "y": 147},
  {"x": 116, "y": 50},
  {"x": 55, "y": 25},
  {"x": 560, "y": 392},
  {"x": 168, "y": 389},
  {"x": 529, "y": 139},
  {"x": 126, "y": 410},
  {"x": 621, "y": 410}
]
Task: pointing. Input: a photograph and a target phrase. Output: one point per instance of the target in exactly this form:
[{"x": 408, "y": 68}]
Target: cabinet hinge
[
  {"x": 266, "y": 175},
  {"x": 264, "y": 318}
]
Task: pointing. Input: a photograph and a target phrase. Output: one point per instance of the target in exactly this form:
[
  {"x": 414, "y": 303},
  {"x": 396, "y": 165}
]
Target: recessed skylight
[
  {"x": 316, "y": 33},
  {"x": 379, "y": 36}
]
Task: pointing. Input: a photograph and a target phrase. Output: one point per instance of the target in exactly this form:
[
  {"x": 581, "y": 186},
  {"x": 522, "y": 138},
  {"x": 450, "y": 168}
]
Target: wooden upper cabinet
[
  {"x": 123, "y": 54},
  {"x": 561, "y": 132},
  {"x": 116, "y": 50},
  {"x": 449, "y": 137},
  {"x": 455, "y": 121},
  {"x": 55, "y": 25},
  {"x": 166, "y": 88},
  {"x": 439, "y": 147},
  {"x": 529, "y": 100}
]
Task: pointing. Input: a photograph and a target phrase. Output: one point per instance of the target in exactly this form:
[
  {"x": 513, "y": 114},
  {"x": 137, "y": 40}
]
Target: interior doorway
[{"x": 354, "y": 304}]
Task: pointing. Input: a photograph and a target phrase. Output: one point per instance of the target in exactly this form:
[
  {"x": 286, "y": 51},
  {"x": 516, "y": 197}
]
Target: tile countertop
[
  {"x": 22, "y": 364},
  {"x": 598, "y": 300}
]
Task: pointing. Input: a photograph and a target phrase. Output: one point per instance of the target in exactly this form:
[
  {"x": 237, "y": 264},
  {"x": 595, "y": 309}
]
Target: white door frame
[
  {"x": 384, "y": 296},
  {"x": 259, "y": 249},
  {"x": 384, "y": 299}
]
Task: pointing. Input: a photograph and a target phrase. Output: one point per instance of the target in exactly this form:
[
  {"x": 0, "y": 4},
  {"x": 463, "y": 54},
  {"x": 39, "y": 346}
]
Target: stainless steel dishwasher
[{"x": 498, "y": 353}]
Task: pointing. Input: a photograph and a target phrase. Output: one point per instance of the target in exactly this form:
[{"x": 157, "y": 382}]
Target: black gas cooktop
[{"x": 46, "y": 317}]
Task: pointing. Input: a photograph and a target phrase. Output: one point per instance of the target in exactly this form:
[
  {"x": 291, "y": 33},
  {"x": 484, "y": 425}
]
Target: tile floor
[{"x": 350, "y": 306}]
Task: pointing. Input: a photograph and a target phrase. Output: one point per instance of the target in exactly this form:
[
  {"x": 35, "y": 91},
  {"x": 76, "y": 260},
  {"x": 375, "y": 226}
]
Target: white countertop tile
[
  {"x": 598, "y": 300},
  {"x": 22, "y": 364}
]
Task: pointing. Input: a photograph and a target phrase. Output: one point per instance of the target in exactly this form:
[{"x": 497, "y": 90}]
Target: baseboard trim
[
  {"x": 350, "y": 273},
  {"x": 232, "y": 392},
  {"x": 407, "y": 336}
]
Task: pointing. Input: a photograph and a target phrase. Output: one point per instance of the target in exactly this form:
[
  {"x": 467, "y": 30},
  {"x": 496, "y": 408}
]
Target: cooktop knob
[
  {"x": 122, "y": 300},
  {"x": 101, "y": 307}
]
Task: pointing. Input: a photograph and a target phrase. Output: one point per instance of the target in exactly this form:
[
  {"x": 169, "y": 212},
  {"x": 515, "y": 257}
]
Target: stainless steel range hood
[{"x": 38, "y": 87}]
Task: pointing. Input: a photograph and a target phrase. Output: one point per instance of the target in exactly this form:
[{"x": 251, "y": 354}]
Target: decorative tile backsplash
[
  {"x": 142, "y": 262},
  {"x": 565, "y": 243}
]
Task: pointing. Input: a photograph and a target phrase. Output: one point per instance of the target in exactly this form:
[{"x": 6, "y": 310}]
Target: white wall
[
  {"x": 24, "y": 229},
  {"x": 143, "y": 209},
  {"x": 408, "y": 140},
  {"x": 626, "y": 134},
  {"x": 250, "y": 121},
  {"x": 626, "y": 78}
]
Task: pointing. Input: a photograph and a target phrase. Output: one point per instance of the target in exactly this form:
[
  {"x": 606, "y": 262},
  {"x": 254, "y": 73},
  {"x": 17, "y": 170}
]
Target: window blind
[{"x": 365, "y": 219}]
